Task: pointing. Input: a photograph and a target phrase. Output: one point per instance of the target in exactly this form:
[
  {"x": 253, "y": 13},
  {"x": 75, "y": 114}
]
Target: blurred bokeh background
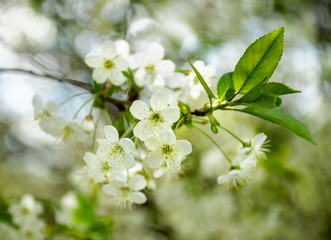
[{"x": 290, "y": 198}]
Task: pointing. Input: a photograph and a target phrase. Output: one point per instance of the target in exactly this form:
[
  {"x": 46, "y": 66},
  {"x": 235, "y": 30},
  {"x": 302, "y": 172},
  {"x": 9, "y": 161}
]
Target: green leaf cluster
[{"x": 248, "y": 84}]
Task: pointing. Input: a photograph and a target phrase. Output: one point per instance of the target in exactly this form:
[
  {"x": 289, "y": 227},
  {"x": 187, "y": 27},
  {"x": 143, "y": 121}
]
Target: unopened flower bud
[{"x": 88, "y": 124}]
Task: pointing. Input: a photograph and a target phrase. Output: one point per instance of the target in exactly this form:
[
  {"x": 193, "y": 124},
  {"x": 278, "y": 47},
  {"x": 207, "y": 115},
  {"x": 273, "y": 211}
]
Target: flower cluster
[
  {"x": 26, "y": 216},
  {"x": 110, "y": 166},
  {"x": 123, "y": 167},
  {"x": 151, "y": 71},
  {"x": 113, "y": 160},
  {"x": 67, "y": 132},
  {"x": 244, "y": 165}
]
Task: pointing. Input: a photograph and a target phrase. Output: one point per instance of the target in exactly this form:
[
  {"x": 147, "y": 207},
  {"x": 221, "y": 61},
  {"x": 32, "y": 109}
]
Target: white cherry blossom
[
  {"x": 152, "y": 69},
  {"x": 244, "y": 165},
  {"x": 107, "y": 64},
  {"x": 153, "y": 120},
  {"x": 165, "y": 150},
  {"x": 41, "y": 112},
  {"x": 115, "y": 151},
  {"x": 97, "y": 169},
  {"x": 250, "y": 156},
  {"x": 26, "y": 209},
  {"x": 44, "y": 113},
  {"x": 236, "y": 178},
  {"x": 127, "y": 192},
  {"x": 26, "y": 216},
  {"x": 68, "y": 132}
]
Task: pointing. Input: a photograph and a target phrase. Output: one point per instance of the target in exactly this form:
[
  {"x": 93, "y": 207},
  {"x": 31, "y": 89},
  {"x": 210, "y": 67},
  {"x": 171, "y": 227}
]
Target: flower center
[
  {"x": 116, "y": 149},
  {"x": 166, "y": 149},
  {"x": 105, "y": 166},
  {"x": 25, "y": 211},
  {"x": 125, "y": 191},
  {"x": 156, "y": 117},
  {"x": 67, "y": 131},
  {"x": 108, "y": 64},
  {"x": 150, "y": 67}
]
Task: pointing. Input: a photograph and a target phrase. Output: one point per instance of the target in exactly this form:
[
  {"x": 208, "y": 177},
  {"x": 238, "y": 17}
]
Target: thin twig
[{"x": 77, "y": 83}]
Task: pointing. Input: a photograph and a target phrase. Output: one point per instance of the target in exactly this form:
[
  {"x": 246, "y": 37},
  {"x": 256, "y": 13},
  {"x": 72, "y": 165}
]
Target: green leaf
[
  {"x": 203, "y": 82},
  {"x": 278, "y": 88},
  {"x": 259, "y": 61},
  {"x": 282, "y": 120},
  {"x": 84, "y": 213},
  {"x": 102, "y": 228},
  {"x": 265, "y": 101},
  {"x": 252, "y": 95},
  {"x": 230, "y": 93},
  {"x": 224, "y": 85}
]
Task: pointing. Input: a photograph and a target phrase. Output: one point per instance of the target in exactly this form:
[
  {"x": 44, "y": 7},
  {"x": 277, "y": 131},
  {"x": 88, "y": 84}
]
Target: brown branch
[{"x": 77, "y": 83}]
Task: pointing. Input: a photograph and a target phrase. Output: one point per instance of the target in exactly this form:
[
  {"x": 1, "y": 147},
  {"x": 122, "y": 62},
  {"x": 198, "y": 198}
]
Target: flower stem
[
  {"x": 211, "y": 139},
  {"x": 127, "y": 131},
  {"x": 81, "y": 107},
  {"x": 178, "y": 123},
  {"x": 76, "y": 95},
  {"x": 245, "y": 144},
  {"x": 108, "y": 117}
]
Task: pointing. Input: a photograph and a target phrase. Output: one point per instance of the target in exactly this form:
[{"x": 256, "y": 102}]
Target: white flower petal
[
  {"x": 223, "y": 179},
  {"x": 139, "y": 77},
  {"x": 155, "y": 52},
  {"x": 100, "y": 75},
  {"x": 94, "y": 61},
  {"x": 258, "y": 141},
  {"x": 142, "y": 130},
  {"x": 128, "y": 160},
  {"x": 176, "y": 80},
  {"x": 173, "y": 164},
  {"x": 138, "y": 197},
  {"x": 127, "y": 145},
  {"x": 116, "y": 77},
  {"x": 96, "y": 174},
  {"x": 137, "y": 183},
  {"x": 111, "y": 133},
  {"x": 37, "y": 103},
  {"x": 170, "y": 114},
  {"x": 140, "y": 60},
  {"x": 242, "y": 155},
  {"x": 108, "y": 189},
  {"x": 90, "y": 159},
  {"x": 153, "y": 143},
  {"x": 140, "y": 110},
  {"x": 165, "y": 66},
  {"x": 154, "y": 160},
  {"x": 121, "y": 64},
  {"x": 51, "y": 107},
  {"x": 210, "y": 71},
  {"x": 167, "y": 137},
  {"x": 108, "y": 50},
  {"x": 159, "y": 101},
  {"x": 155, "y": 82},
  {"x": 161, "y": 127},
  {"x": 122, "y": 47},
  {"x": 199, "y": 65},
  {"x": 183, "y": 147}
]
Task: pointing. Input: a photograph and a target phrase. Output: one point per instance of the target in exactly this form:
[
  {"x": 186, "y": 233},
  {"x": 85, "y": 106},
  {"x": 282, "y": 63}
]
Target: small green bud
[
  {"x": 214, "y": 129},
  {"x": 206, "y": 107}
]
